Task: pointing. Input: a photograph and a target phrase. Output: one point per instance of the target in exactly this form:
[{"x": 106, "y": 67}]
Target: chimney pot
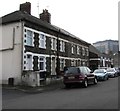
[
  {"x": 45, "y": 16},
  {"x": 26, "y": 7}
]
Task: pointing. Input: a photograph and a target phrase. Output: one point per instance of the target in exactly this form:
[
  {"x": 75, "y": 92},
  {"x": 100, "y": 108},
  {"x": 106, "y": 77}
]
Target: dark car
[
  {"x": 101, "y": 74},
  {"x": 78, "y": 75}
]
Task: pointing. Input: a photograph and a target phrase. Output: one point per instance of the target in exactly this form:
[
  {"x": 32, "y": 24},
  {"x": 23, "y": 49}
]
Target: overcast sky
[{"x": 90, "y": 20}]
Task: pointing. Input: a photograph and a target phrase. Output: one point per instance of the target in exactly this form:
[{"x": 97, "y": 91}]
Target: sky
[{"x": 90, "y": 20}]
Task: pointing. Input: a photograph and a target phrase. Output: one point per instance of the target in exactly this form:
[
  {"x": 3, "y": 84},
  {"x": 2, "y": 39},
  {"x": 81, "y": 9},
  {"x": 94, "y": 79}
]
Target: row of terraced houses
[{"x": 32, "y": 47}]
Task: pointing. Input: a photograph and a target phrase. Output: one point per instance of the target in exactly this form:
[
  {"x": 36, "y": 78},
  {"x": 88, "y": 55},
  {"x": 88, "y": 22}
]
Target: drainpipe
[
  {"x": 58, "y": 62},
  {"x": 22, "y": 47}
]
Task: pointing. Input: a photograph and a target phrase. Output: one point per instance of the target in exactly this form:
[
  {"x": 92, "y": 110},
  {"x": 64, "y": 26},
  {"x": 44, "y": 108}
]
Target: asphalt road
[{"x": 104, "y": 95}]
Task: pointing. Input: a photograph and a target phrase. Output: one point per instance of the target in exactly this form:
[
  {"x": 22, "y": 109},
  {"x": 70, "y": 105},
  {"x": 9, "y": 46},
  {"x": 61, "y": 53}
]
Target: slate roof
[{"x": 23, "y": 16}]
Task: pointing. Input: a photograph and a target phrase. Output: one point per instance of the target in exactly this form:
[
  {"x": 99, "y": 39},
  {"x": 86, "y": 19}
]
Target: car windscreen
[
  {"x": 99, "y": 71},
  {"x": 72, "y": 70}
]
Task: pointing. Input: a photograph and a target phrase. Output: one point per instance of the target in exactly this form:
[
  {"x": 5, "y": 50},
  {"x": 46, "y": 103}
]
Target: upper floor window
[
  {"x": 73, "y": 49},
  {"x": 62, "y": 46},
  {"x": 83, "y": 51},
  {"x": 87, "y": 52},
  {"x": 78, "y": 50},
  {"x": 29, "y": 38},
  {"x": 42, "y": 41},
  {"x": 53, "y": 44}
]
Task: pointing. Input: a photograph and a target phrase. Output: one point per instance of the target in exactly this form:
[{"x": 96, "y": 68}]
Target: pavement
[{"x": 55, "y": 84}]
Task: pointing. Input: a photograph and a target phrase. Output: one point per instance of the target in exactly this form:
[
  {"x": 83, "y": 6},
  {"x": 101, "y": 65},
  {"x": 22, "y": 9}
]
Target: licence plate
[{"x": 72, "y": 77}]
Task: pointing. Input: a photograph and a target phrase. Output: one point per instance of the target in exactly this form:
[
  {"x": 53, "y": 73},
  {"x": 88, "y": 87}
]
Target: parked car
[
  {"x": 78, "y": 75},
  {"x": 111, "y": 72},
  {"x": 118, "y": 71},
  {"x": 101, "y": 74}
]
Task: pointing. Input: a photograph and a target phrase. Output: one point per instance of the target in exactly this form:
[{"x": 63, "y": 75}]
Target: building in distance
[{"x": 107, "y": 46}]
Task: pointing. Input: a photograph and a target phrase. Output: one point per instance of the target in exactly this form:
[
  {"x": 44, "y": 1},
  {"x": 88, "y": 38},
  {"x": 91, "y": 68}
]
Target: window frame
[
  {"x": 29, "y": 37},
  {"x": 53, "y": 44},
  {"x": 42, "y": 61},
  {"x": 42, "y": 41},
  {"x": 62, "y": 46}
]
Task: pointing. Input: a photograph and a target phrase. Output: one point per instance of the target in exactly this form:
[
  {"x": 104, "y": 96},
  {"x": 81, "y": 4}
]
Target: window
[
  {"x": 62, "y": 46},
  {"x": 29, "y": 62},
  {"x": 78, "y": 50},
  {"x": 73, "y": 63},
  {"x": 84, "y": 70},
  {"x": 29, "y": 37},
  {"x": 54, "y": 44},
  {"x": 72, "y": 70},
  {"x": 42, "y": 63},
  {"x": 83, "y": 51},
  {"x": 87, "y": 52},
  {"x": 42, "y": 41},
  {"x": 62, "y": 64},
  {"x": 72, "y": 49}
]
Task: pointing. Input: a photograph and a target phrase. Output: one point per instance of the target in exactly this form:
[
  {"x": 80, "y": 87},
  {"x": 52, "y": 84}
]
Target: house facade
[
  {"x": 98, "y": 60},
  {"x": 33, "y": 47}
]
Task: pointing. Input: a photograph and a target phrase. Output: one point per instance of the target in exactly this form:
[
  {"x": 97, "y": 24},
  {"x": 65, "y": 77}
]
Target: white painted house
[{"x": 33, "y": 46}]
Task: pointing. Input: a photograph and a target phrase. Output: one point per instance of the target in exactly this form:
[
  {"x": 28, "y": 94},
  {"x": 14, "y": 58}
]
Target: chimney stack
[
  {"x": 45, "y": 16},
  {"x": 26, "y": 7}
]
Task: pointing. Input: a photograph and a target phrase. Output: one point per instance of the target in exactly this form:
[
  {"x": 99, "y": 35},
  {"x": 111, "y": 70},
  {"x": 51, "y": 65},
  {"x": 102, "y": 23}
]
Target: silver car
[{"x": 111, "y": 72}]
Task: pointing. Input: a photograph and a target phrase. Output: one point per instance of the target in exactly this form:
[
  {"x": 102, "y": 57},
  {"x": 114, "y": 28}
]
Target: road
[{"x": 104, "y": 95}]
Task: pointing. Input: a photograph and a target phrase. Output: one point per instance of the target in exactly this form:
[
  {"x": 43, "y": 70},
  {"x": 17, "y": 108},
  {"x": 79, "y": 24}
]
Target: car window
[
  {"x": 110, "y": 70},
  {"x": 72, "y": 70},
  {"x": 88, "y": 70},
  {"x": 99, "y": 71},
  {"x": 83, "y": 70}
]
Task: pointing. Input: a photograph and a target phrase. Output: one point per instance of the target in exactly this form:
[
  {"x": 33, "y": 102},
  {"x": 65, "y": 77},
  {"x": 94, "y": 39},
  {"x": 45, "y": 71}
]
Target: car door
[{"x": 90, "y": 76}]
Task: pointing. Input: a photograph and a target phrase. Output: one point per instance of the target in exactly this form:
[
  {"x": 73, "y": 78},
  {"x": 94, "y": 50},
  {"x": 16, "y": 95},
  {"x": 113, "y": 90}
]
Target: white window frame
[
  {"x": 62, "y": 46},
  {"x": 83, "y": 51},
  {"x": 53, "y": 44},
  {"x": 44, "y": 63},
  {"x": 73, "y": 62},
  {"x": 62, "y": 64},
  {"x": 87, "y": 51},
  {"x": 42, "y": 41},
  {"x": 78, "y": 50},
  {"x": 29, "y": 37},
  {"x": 29, "y": 62},
  {"x": 72, "y": 49}
]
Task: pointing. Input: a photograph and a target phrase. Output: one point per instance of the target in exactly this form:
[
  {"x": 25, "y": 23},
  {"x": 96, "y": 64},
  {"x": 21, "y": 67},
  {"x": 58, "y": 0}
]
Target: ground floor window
[
  {"x": 42, "y": 63},
  {"x": 73, "y": 63},
  {"x": 62, "y": 64},
  {"x": 29, "y": 62}
]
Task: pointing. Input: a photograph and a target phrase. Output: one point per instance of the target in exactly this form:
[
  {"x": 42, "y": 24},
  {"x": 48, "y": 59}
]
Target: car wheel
[
  {"x": 85, "y": 84},
  {"x": 95, "y": 80},
  {"x": 114, "y": 75},
  {"x": 67, "y": 85},
  {"x": 107, "y": 78}
]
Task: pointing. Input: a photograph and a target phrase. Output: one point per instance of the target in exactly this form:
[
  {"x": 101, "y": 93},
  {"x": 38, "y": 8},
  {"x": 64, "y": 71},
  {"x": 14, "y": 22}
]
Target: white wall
[
  {"x": 119, "y": 24},
  {"x": 0, "y": 54},
  {"x": 11, "y": 58}
]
